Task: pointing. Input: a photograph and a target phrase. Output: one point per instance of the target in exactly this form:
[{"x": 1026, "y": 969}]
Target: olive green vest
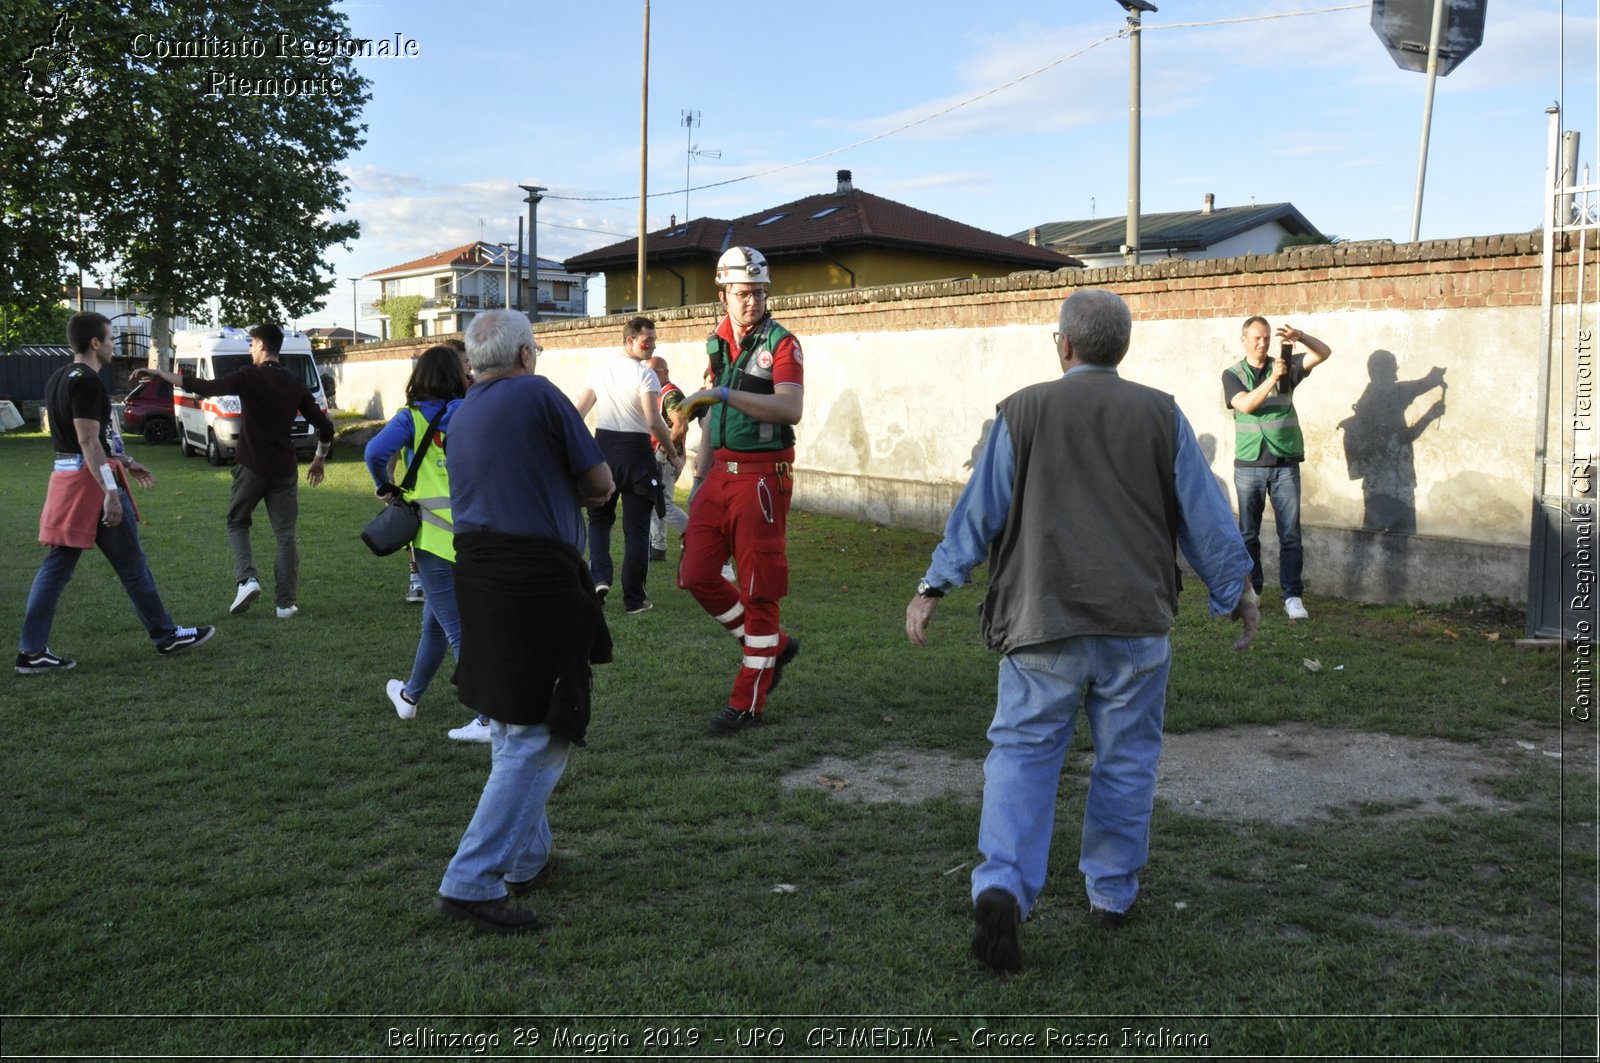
[
  {"x": 1088, "y": 544},
  {"x": 437, "y": 534},
  {"x": 1274, "y": 423},
  {"x": 729, "y": 427}
]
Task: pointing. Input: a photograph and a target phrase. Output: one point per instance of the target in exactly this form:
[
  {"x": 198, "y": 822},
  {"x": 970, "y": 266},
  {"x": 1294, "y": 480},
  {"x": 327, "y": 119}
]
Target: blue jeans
[
  {"x": 509, "y": 836},
  {"x": 1122, "y": 685},
  {"x": 441, "y": 624},
  {"x": 1282, "y": 484},
  {"x": 122, "y": 549},
  {"x": 283, "y": 509}
]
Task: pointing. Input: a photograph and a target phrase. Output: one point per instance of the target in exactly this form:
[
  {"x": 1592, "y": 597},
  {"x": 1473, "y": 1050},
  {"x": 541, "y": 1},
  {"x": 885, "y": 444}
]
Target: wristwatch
[{"x": 928, "y": 590}]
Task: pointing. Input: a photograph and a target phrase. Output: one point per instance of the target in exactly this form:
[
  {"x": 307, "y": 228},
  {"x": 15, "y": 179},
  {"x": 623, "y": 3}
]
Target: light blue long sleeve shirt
[{"x": 1207, "y": 533}]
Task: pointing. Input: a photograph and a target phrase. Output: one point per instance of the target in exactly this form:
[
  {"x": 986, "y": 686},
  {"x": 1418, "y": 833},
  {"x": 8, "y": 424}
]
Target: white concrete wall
[{"x": 901, "y": 384}]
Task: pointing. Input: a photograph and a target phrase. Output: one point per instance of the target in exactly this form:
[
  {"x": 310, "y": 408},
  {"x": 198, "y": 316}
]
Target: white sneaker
[
  {"x": 476, "y": 731},
  {"x": 249, "y": 591},
  {"x": 1296, "y": 609},
  {"x": 404, "y": 707},
  {"x": 287, "y": 611}
]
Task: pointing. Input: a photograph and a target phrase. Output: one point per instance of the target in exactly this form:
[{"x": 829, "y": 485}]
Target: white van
[{"x": 212, "y": 425}]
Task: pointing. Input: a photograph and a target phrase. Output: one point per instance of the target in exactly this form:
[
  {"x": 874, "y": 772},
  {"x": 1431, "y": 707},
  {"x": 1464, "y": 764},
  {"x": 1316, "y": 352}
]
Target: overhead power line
[{"x": 1146, "y": 28}]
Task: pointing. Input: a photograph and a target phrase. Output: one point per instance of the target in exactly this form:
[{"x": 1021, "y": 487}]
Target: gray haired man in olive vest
[{"x": 1085, "y": 488}]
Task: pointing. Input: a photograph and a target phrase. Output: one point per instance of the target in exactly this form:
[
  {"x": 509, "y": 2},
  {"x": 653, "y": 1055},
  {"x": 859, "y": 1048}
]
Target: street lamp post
[
  {"x": 355, "y": 315},
  {"x": 533, "y": 247},
  {"x": 1134, "y": 8}
]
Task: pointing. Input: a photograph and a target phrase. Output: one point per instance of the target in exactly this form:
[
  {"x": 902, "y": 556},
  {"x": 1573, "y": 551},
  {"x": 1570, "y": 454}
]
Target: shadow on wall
[
  {"x": 977, "y": 448},
  {"x": 1208, "y": 450},
  {"x": 843, "y": 443},
  {"x": 1379, "y": 452}
]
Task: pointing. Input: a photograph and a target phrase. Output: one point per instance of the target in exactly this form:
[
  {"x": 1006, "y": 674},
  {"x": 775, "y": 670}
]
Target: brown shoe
[{"x": 998, "y": 919}]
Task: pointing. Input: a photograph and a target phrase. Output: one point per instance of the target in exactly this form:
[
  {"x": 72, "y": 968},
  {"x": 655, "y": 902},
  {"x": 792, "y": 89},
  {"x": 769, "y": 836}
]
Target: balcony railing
[{"x": 454, "y": 302}]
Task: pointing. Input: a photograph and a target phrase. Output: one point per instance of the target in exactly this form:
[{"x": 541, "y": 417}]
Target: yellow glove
[{"x": 700, "y": 399}]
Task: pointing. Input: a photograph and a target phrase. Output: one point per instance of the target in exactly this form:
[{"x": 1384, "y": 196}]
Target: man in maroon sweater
[{"x": 265, "y": 466}]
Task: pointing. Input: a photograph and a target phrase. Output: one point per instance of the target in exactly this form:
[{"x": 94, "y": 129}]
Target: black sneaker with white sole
[
  {"x": 184, "y": 639},
  {"x": 42, "y": 662}
]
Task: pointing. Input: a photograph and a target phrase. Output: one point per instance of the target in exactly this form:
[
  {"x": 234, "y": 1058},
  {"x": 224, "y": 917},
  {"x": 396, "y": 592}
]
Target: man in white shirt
[{"x": 627, "y": 396}]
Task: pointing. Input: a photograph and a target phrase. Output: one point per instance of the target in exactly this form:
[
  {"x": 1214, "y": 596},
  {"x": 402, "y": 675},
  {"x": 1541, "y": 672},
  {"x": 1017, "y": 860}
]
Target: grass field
[{"x": 233, "y": 853}]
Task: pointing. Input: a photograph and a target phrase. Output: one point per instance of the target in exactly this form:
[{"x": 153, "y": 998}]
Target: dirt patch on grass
[{"x": 1284, "y": 773}]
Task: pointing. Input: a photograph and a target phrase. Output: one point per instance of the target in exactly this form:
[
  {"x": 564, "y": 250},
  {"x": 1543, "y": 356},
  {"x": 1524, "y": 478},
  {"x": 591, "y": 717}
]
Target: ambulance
[{"x": 211, "y": 425}]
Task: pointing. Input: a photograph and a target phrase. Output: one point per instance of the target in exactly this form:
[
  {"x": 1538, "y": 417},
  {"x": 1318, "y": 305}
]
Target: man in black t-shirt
[
  {"x": 265, "y": 467},
  {"x": 87, "y": 504}
]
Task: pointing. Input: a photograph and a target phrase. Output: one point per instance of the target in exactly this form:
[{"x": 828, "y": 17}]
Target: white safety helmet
[{"x": 743, "y": 265}]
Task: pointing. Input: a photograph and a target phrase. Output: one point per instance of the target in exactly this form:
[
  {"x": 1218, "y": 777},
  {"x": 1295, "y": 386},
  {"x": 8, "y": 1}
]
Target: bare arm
[
  {"x": 650, "y": 405},
  {"x": 585, "y": 402},
  {"x": 1317, "y": 351},
  {"x": 702, "y": 454},
  {"x": 595, "y": 484},
  {"x": 87, "y": 430},
  {"x": 1250, "y": 401}
]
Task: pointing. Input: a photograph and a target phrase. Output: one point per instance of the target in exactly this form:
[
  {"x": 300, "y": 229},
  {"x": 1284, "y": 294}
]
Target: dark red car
[{"x": 148, "y": 411}]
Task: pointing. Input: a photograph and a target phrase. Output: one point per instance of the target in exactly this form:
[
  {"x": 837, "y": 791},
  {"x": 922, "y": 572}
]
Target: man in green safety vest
[{"x": 1269, "y": 448}]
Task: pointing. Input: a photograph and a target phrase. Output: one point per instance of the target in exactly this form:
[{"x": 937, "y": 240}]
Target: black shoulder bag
[{"x": 397, "y": 523}]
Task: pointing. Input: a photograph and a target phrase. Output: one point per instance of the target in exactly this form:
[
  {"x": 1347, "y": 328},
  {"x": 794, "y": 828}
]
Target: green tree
[
  {"x": 402, "y": 311},
  {"x": 1306, "y": 240},
  {"x": 36, "y": 323},
  {"x": 196, "y": 177}
]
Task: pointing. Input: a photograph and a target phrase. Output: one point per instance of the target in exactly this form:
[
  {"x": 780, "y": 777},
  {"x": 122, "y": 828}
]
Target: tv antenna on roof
[{"x": 689, "y": 120}]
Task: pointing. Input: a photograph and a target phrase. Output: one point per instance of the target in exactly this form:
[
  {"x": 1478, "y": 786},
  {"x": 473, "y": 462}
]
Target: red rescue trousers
[{"x": 742, "y": 511}]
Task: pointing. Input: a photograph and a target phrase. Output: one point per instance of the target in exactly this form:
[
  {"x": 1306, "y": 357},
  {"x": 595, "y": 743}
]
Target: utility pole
[
  {"x": 533, "y": 248},
  {"x": 644, "y": 154},
  {"x": 1134, "y": 8}
]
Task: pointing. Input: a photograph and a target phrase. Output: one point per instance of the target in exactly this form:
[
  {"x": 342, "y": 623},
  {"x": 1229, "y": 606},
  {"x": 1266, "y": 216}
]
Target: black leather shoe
[
  {"x": 539, "y": 880},
  {"x": 1106, "y": 919},
  {"x": 496, "y": 916},
  {"x": 731, "y": 719},
  {"x": 790, "y": 652},
  {"x": 998, "y": 919}
]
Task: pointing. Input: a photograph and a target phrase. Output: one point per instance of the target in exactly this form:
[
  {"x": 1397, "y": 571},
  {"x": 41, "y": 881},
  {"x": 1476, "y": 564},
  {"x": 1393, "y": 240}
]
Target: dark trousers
[{"x": 636, "y": 510}]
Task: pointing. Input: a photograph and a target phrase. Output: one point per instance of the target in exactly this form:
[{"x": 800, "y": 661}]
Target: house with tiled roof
[
  {"x": 130, "y": 325},
  {"x": 458, "y": 284},
  {"x": 1210, "y": 232},
  {"x": 846, "y": 238}
]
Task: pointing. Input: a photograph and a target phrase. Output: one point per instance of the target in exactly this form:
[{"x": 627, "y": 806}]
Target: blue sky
[{"x": 1253, "y": 100}]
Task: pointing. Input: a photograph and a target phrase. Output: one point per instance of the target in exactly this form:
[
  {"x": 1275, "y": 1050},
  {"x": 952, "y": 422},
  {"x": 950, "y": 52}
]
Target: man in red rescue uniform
[{"x": 742, "y": 509}]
